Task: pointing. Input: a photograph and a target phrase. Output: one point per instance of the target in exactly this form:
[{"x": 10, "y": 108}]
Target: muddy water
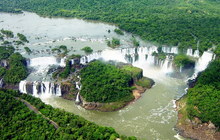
[{"x": 151, "y": 117}]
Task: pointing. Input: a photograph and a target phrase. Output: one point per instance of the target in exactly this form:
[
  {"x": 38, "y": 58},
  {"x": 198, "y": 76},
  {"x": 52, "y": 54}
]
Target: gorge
[{"x": 153, "y": 116}]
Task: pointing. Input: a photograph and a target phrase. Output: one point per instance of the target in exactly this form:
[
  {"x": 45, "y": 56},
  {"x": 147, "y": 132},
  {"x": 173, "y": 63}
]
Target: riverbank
[
  {"x": 113, "y": 106},
  {"x": 194, "y": 129}
]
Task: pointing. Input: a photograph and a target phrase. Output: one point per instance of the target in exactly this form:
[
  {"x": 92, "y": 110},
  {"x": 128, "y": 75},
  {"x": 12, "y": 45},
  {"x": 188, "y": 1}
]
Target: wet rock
[{"x": 211, "y": 125}]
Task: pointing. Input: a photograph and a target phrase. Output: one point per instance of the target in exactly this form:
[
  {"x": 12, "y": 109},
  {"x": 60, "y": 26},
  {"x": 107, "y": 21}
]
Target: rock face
[
  {"x": 68, "y": 91},
  {"x": 194, "y": 129}
]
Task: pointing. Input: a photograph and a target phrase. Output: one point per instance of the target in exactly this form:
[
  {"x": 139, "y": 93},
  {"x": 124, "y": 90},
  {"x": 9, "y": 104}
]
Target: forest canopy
[
  {"x": 102, "y": 82},
  {"x": 19, "y": 122},
  {"x": 205, "y": 96}
]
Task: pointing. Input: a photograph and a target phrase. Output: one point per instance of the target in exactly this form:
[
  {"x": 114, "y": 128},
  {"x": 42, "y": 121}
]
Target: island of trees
[{"x": 111, "y": 84}]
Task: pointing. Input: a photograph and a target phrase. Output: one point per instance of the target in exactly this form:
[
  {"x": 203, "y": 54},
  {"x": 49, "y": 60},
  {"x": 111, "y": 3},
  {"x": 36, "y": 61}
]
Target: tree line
[
  {"x": 172, "y": 22},
  {"x": 21, "y": 123}
]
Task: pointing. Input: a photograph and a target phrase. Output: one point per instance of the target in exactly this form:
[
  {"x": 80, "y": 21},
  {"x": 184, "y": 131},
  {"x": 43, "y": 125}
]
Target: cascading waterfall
[
  {"x": 4, "y": 63},
  {"x": 77, "y": 97},
  {"x": 40, "y": 88},
  {"x": 181, "y": 68},
  {"x": 72, "y": 61},
  {"x": 44, "y": 61},
  {"x": 196, "y": 53},
  {"x": 174, "y": 50},
  {"x": 167, "y": 64},
  {"x": 62, "y": 62},
  {"x": 35, "y": 83},
  {"x": 189, "y": 52},
  {"x": 51, "y": 91},
  {"x": 58, "y": 90},
  {"x": 22, "y": 86},
  {"x": 202, "y": 63},
  {"x": 1, "y": 83}
]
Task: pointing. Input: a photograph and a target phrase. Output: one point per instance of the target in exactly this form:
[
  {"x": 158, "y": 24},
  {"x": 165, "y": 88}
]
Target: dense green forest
[
  {"x": 17, "y": 70},
  {"x": 18, "y": 122},
  {"x": 102, "y": 82},
  {"x": 170, "y": 22},
  {"x": 204, "y": 99}
]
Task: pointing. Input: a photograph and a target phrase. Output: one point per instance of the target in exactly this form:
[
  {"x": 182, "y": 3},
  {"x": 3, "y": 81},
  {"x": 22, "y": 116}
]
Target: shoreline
[
  {"x": 104, "y": 107},
  {"x": 193, "y": 129}
]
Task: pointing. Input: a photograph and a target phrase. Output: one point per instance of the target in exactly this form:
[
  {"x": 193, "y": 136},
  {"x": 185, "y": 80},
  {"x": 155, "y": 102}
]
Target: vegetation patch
[
  {"x": 145, "y": 82},
  {"x": 205, "y": 96},
  {"x": 136, "y": 73},
  {"x": 22, "y": 37},
  {"x": 105, "y": 83},
  {"x": 87, "y": 49},
  {"x": 18, "y": 122},
  {"x": 184, "y": 61},
  {"x": 27, "y": 50},
  {"x": 118, "y": 31},
  {"x": 114, "y": 43},
  {"x": 7, "y": 33}
]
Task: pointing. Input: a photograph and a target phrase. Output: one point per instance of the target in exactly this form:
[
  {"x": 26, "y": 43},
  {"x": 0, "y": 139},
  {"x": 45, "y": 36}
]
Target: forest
[
  {"x": 169, "y": 22},
  {"x": 102, "y": 82},
  {"x": 16, "y": 70},
  {"x": 204, "y": 99},
  {"x": 19, "y": 122}
]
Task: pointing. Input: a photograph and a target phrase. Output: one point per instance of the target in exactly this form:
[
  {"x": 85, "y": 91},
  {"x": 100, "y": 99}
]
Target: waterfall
[
  {"x": 1, "y": 83},
  {"x": 196, "y": 53},
  {"x": 22, "y": 86},
  {"x": 4, "y": 63},
  {"x": 44, "y": 88},
  {"x": 201, "y": 64},
  {"x": 35, "y": 83},
  {"x": 174, "y": 50},
  {"x": 44, "y": 61},
  {"x": 166, "y": 49},
  {"x": 150, "y": 59},
  {"x": 166, "y": 64},
  {"x": 72, "y": 61},
  {"x": 77, "y": 97},
  {"x": 180, "y": 68},
  {"x": 58, "y": 90},
  {"x": 62, "y": 62},
  {"x": 51, "y": 91},
  {"x": 189, "y": 52}
]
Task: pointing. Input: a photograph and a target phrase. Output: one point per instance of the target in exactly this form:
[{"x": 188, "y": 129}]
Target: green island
[
  {"x": 107, "y": 87},
  {"x": 115, "y": 42},
  {"x": 45, "y": 122},
  {"x": 22, "y": 37}
]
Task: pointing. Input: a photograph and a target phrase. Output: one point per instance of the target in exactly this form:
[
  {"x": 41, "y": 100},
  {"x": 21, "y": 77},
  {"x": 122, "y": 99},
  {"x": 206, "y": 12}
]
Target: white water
[
  {"x": 173, "y": 50},
  {"x": 1, "y": 82},
  {"x": 189, "y": 52},
  {"x": 202, "y": 63},
  {"x": 22, "y": 86},
  {"x": 196, "y": 53},
  {"x": 45, "y": 61},
  {"x": 77, "y": 97}
]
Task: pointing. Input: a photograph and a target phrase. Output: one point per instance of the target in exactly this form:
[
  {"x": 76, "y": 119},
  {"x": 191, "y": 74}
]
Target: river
[{"x": 151, "y": 117}]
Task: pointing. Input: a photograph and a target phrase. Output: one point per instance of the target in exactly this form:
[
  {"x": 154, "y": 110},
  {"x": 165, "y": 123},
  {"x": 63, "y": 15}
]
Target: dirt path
[{"x": 38, "y": 112}]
